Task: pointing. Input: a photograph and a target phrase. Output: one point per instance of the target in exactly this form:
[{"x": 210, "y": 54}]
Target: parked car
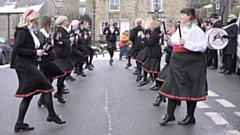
[
  {"x": 5, "y": 51},
  {"x": 238, "y": 55}
]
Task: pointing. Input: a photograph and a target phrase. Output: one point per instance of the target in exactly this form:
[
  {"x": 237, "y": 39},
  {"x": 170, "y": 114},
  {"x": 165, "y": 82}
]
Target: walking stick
[
  {"x": 164, "y": 27},
  {"x": 179, "y": 29}
]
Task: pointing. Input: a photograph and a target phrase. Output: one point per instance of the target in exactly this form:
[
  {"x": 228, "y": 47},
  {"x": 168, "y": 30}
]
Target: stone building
[
  {"x": 11, "y": 11},
  {"x": 124, "y": 12}
]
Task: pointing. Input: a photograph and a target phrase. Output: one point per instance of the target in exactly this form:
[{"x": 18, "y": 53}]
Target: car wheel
[{"x": 3, "y": 59}]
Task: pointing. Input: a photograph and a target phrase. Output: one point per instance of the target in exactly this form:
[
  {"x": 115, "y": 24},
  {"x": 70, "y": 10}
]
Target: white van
[{"x": 238, "y": 48}]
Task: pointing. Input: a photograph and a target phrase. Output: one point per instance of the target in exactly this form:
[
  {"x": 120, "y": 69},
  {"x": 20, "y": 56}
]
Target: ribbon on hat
[
  {"x": 30, "y": 12},
  {"x": 196, "y": 16}
]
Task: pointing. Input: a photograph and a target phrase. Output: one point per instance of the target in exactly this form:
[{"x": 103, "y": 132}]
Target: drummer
[
  {"x": 212, "y": 55},
  {"x": 229, "y": 52}
]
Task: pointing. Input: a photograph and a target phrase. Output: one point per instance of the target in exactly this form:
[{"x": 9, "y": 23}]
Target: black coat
[
  {"x": 111, "y": 36},
  {"x": 134, "y": 38},
  {"x": 63, "y": 46},
  {"x": 154, "y": 43},
  {"x": 50, "y": 52},
  {"x": 232, "y": 31},
  {"x": 217, "y": 24},
  {"x": 23, "y": 54},
  {"x": 168, "y": 51}
]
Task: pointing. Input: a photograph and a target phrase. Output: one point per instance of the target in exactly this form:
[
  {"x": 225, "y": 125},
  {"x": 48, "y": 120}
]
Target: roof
[
  {"x": 208, "y": 6},
  {"x": 20, "y": 6}
]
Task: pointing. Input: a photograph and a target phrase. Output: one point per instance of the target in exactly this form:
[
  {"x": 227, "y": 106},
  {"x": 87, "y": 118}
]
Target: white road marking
[
  {"x": 5, "y": 66},
  {"x": 232, "y": 132},
  {"x": 106, "y": 108},
  {"x": 225, "y": 103},
  {"x": 238, "y": 113},
  {"x": 201, "y": 104},
  {"x": 217, "y": 118},
  {"x": 212, "y": 94}
]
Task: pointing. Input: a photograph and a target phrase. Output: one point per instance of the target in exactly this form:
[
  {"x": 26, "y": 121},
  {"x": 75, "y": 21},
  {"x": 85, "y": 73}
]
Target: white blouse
[
  {"x": 195, "y": 38},
  {"x": 36, "y": 41}
]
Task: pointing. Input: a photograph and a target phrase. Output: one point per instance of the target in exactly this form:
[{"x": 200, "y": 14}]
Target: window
[
  {"x": 156, "y": 3},
  {"x": 82, "y": 0},
  {"x": 102, "y": 26},
  {"x": 59, "y": 0},
  {"x": 82, "y": 10},
  {"x": 59, "y": 10},
  {"x": 218, "y": 6},
  {"x": 114, "y": 5}
]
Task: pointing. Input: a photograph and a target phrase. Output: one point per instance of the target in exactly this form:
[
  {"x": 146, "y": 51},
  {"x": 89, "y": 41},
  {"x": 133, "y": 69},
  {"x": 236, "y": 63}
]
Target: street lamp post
[{"x": 156, "y": 12}]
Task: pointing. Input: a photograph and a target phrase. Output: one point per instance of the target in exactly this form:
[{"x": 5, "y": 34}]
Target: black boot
[
  {"x": 187, "y": 120},
  {"x": 57, "y": 119},
  {"x": 70, "y": 78},
  {"x": 128, "y": 65},
  {"x": 139, "y": 77},
  {"x": 111, "y": 61},
  {"x": 166, "y": 118},
  {"x": 22, "y": 127},
  {"x": 159, "y": 99},
  {"x": 41, "y": 103},
  {"x": 142, "y": 83},
  {"x": 59, "y": 98}
]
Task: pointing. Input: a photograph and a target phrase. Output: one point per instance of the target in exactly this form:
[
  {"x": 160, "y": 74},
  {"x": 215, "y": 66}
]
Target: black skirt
[
  {"x": 51, "y": 70},
  {"x": 162, "y": 74},
  {"x": 83, "y": 50},
  {"x": 134, "y": 54},
  {"x": 152, "y": 65},
  {"x": 77, "y": 57},
  {"x": 142, "y": 55},
  {"x": 65, "y": 63},
  {"x": 111, "y": 45},
  {"x": 186, "y": 77},
  {"x": 31, "y": 83}
]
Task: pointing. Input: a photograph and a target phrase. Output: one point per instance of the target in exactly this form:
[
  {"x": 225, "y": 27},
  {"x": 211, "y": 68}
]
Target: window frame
[
  {"x": 83, "y": 7},
  {"x": 154, "y": 3},
  {"x": 119, "y": 4},
  {"x": 102, "y": 26},
  {"x": 57, "y": 9}
]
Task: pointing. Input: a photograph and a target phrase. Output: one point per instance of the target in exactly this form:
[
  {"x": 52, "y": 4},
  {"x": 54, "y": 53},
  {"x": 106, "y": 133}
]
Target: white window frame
[
  {"x": 154, "y": 3},
  {"x": 218, "y": 6},
  {"x": 114, "y": 3},
  {"x": 82, "y": 10},
  {"x": 82, "y": 0},
  {"x": 102, "y": 26},
  {"x": 58, "y": 10}
]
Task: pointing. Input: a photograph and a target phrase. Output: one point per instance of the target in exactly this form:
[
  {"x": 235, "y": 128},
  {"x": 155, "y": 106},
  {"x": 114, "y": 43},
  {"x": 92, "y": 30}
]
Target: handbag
[{"x": 121, "y": 44}]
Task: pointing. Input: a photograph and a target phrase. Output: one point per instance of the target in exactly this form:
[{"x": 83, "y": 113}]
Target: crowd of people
[
  {"x": 60, "y": 48},
  {"x": 41, "y": 56},
  {"x": 187, "y": 58}
]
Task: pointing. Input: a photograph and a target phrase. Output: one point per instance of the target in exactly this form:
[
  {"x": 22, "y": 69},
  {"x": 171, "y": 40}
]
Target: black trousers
[
  {"x": 212, "y": 58},
  {"x": 228, "y": 62}
]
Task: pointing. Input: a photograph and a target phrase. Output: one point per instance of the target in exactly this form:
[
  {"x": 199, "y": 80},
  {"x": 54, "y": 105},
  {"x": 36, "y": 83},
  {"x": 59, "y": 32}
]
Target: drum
[{"x": 215, "y": 39}]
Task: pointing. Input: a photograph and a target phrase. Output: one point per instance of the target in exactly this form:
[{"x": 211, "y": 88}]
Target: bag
[{"x": 121, "y": 44}]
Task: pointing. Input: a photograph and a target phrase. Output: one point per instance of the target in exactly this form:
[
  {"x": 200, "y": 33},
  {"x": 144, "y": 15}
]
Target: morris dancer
[
  {"x": 186, "y": 79},
  {"x": 31, "y": 80}
]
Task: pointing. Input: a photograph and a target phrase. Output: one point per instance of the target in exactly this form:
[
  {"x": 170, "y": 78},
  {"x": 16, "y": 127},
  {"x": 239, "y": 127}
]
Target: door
[{"x": 124, "y": 25}]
